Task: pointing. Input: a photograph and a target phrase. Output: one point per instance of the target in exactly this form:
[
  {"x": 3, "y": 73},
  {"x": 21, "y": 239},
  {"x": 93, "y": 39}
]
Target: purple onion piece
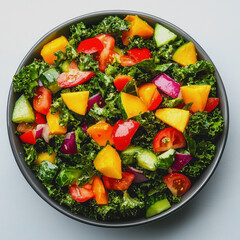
[
  {"x": 167, "y": 85},
  {"x": 139, "y": 176},
  {"x": 84, "y": 127},
  {"x": 46, "y": 133},
  {"x": 97, "y": 98},
  {"x": 39, "y": 130},
  {"x": 69, "y": 144},
  {"x": 40, "y": 84},
  {"x": 180, "y": 161}
]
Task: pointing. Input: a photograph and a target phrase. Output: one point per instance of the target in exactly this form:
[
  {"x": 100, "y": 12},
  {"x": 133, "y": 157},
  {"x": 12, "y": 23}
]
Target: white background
[{"x": 214, "y": 213}]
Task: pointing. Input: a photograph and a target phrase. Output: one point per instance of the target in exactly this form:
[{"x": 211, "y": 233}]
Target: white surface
[{"x": 214, "y": 213}]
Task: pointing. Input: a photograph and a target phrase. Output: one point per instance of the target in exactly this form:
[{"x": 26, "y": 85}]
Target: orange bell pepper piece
[
  {"x": 53, "y": 123},
  {"x": 138, "y": 27},
  {"x": 99, "y": 191},
  {"x": 101, "y": 132},
  {"x": 120, "y": 81}
]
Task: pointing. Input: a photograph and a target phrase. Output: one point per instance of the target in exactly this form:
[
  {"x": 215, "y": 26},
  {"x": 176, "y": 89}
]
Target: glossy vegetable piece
[
  {"x": 39, "y": 130},
  {"x": 97, "y": 98},
  {"x": 104, "y": 57},
  {"x": 81, "y": 194},
  {"x": 23, "y": 111},
  {"x": 127, "y": 61},
  {"x": 180, "y": 161},
  {"x": 123, "y": 132},
  {"x": 25, "y": 127},
  {"x": 90, "y": 46},
  {"x": 39, "y": 119},
  {"x": 147, "y": 160},
  {"x": 28, "y": 137},
  {"x": 139, "y": 54},
  {"x": 128, "y": 156},
  {"x": 177, "y": 183},
  {"x": 120, "y": 81},
  {"x": 43, "y": 100},
  {"x": 76, "y": 101},
  {"x": 73, "y": 78},
  {"x": 45, "y": 157},
  {"x": 69, "y": 144},
  {"x": 163, "y": 35},
  {"x": 166, "y": 159},
  {"x": 99, "y": 191},
  {"x": 138, "y": 27},
  {"x": 67, "y": 176},
  {"x": 167, "y": 85},
  {"x": 131, "y": 106},
  {"x": 47, "y": 171},
  {"x": 109, "y": 163},
  {"x": 157, "y": 207},
  {"x": 139, "y": 176},
  {"x": 119, "y": 184},
  {"x": 50, "y": 48},
  {"x": 168, "y": 138},
  {"x": 185, "y": 54},
  {"x": 150, "y": 96},
  {"x": 49, "y": 79},
  {"x": 101, "y": 133},
  {"x": 174, "y": 117},
  {"x": 53, "y": 123},
  {"x": 211, "y": 104},
  {"x": 198, "y": 94}
]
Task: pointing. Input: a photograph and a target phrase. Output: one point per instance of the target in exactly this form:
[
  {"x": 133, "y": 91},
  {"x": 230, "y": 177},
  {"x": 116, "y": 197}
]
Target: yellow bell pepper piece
[
  {"x": 53, "y": 123},
  {"x": 45, "y": 157}
]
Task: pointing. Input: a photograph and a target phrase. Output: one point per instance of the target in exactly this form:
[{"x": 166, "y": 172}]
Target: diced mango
[
  {"x": 50, "y": 48},
  {"x": 174, "y": 117},
  {"x": 198, "y": 94},
  {"x": 45, "y": 157},
  {"x": 185, "y": 54},
  {"x": 146, "y": 92},
  {"x": 53, "y": 123},
  {"x": 132, "y": 105},
  {"x": 76, "y": 101},
  {"x": 101, "y": 132},
  {"x": 138, "y": 27},
  {"x": 109, "y": 163}
]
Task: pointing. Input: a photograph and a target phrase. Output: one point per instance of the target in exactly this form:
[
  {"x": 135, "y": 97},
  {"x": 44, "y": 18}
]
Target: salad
[{"x": 118, "y": 119}]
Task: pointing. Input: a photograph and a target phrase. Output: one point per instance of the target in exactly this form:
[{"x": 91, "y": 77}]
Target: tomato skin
[
  {"x": 127, "y": 61},
  {"x": 39, "y": 119},
  {"x": 28, "y": 137},
  {"x": 104, "y": 57},
  {"x": 120, "y": 81},
  {"x": 80, "y": 194},
  {"x": 42, "y": 102},
  {"x": 73, "y": 78},
  {"x": 177, "y": 183},
  {"x": 211, "y": 104},
  {"x": 174, "y": 139},
  {"x": 139, "y": 54},
  {"x": 156, "y": 100},
  {"x": 90, "y": 46},
  {"x": 123, "y": 132},
  {"x": 119, "y": 184},
  {"x": 24, "y": 127}
]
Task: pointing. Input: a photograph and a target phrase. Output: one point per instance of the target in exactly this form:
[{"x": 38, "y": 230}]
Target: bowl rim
[{"x": 55, "y": 204}]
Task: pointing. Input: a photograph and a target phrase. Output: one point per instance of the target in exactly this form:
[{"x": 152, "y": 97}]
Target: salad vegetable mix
[{"x": 118, "y": 119}]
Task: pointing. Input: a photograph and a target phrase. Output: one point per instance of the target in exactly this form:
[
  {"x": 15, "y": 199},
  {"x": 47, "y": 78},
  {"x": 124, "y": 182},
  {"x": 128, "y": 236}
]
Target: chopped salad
[{"x": 118, "y": 119}]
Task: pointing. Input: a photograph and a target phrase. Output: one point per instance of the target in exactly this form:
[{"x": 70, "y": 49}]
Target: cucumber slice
[
  {"x": 23, "y": 111},
  {"x": 49, "y": 79},
  {"x": 158, "y": 207},
  {"x": 128, "y": 156},
  {"x": 162, "y": 35},
  {"x": 146, "y": 159},
  {"x": 166, "y": 159}
]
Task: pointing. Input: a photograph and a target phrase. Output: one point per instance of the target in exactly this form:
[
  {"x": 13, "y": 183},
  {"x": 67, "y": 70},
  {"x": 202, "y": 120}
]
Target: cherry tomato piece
[
  {"x": 177, "y": 183},
  {"x": 127, "y": 61},
  {"x": 139, "y": 54},
  {"x": 168, "y": 138},
  {"x": 28, "y": 137},
  {"x": 211, "y": 104},
  {"x": 123, "y": 132},
  {"x": 80, "y": 194},
  {"x": 24, "y": 127},
  {"x": 39, "y": 119},
  {"x": 120, "y": 81},
  {"x": 91, "y": 45},
  {"x": 119, "y": 184}
]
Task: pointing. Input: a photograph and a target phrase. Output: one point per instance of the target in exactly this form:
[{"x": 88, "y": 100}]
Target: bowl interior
[{"x": 18, "y": 151}]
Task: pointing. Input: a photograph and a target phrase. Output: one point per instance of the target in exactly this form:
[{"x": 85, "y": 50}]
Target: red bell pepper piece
[
  {"x": 119, "y": 184},
  {"x": 123, "y": 132},
  {"x": 28, "y": 137},
  {"x": 91, "y": 45},
  {"x": 211, "y": 104},
  {"x": 139, "y": 54},
  {"x": 39, "y": 119},
  {"x": 80, "y": 194},
  {"x": 120, "y": 81}
]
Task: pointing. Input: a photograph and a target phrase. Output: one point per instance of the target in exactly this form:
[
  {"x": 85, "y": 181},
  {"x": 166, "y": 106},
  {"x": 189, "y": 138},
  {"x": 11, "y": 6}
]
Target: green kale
[
  {"x": 204, "y": 155},
  {"x": 139, "y": 42},
  {"x": 26, "y": 80},
  {"x": 206, "y": 124},
  {"x": 171, "y": 103},
  {"x": 31, "y": 154},
  {"x": 47, "y": 171},
  {"x": 86, "y": 62},
  {"x": 191, "y": 144}
]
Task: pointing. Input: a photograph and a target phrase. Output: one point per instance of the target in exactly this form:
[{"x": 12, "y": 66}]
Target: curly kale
[
  {"x": 26, "y": 80},
  {"x": 86, "y": 62},
  {"x": 139, "y": 42}
]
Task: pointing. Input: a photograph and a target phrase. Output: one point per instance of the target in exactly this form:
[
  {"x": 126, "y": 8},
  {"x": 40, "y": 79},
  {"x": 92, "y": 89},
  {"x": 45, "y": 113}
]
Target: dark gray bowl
[{"x": 63, "y": 29}]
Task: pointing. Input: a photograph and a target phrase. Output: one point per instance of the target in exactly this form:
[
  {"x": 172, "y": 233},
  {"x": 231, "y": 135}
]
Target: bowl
[{"x": 63, "y": 29}]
